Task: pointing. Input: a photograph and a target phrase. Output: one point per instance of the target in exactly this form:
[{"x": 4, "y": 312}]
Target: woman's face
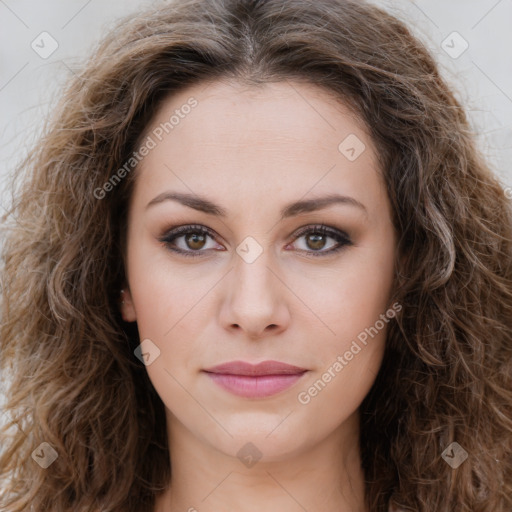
[{"x": 253, "y": 278}]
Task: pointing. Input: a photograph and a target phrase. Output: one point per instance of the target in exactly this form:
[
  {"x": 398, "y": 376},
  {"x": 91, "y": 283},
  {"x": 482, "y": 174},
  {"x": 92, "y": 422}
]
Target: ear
[{"x": 128, "y": 312}]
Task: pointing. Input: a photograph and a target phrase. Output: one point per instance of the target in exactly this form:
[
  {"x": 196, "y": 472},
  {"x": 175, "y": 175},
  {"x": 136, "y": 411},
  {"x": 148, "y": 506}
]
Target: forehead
[
  {"x": 236, "y": 138},
  {"x": 296, "y": 114}
]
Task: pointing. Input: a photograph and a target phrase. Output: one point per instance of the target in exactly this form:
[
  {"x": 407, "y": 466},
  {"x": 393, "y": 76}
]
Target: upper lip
[{"x": 263, "y": 368}]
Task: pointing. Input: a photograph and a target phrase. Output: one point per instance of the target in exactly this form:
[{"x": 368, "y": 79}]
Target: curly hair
[{"x": 73, "y": 380}]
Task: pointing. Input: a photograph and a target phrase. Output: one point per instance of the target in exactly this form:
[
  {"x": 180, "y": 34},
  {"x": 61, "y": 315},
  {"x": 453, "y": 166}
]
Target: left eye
[
  {"x": 195, "y": 240},
  {"x": 315, "y": 240}
]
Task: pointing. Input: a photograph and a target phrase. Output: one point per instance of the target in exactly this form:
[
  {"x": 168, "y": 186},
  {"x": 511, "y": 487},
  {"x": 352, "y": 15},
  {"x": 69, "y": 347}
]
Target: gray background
[{"x": 29, "y": 84}]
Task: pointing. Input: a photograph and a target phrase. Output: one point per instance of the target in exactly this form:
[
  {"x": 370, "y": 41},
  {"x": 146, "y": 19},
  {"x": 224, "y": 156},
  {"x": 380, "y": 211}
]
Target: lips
[
  {"x": 263, "y": 368},
  {"x": 255, "y": 381}
]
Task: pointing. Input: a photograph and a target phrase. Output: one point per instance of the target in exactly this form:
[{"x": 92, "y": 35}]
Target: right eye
[{"x": 194, "y": 240}]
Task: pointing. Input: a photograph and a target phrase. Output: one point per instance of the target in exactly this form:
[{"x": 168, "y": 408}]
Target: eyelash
[{"x": 342, "y": 238}]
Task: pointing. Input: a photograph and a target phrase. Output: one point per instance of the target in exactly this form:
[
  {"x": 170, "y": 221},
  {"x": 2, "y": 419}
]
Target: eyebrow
[{"x": 295, "y": 208}]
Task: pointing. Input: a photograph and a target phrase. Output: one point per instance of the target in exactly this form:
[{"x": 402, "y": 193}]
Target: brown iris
[
  {"x": 318, "y": 241},
  {"x": 195, "y": 240}
]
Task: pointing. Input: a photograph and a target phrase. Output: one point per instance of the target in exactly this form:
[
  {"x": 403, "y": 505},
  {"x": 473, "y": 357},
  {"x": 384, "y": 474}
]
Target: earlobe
[{"x": 127, "y": 309}]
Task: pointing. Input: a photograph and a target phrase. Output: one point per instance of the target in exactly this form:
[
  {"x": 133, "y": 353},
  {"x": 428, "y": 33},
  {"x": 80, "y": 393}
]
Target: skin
[{"x": 252, "y": 151}]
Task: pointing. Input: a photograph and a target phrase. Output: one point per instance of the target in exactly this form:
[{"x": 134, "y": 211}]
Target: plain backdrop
[{"x": 41, "y": 42}]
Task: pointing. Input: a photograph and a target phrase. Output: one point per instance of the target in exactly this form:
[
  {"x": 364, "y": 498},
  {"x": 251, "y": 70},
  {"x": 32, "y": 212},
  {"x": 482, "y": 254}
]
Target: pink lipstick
[{"x": 255, "y": 381}]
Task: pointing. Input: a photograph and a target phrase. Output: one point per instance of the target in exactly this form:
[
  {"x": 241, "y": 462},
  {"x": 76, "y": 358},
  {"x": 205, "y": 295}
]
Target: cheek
[
  {"x": 352, "y": 306},
  {"x": 350, "y": 298},
  {"x": 161, "y": 294},
  {"x": 336, "y": 392},
  {"x": 162, "y": 300},
  {"x": 353, "y": 311},
  {"x": 168, "y": 307}
]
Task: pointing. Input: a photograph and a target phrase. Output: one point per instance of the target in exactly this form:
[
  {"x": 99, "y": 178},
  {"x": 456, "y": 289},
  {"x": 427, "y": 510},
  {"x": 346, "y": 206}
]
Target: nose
[{"x": 255, "y": 299}]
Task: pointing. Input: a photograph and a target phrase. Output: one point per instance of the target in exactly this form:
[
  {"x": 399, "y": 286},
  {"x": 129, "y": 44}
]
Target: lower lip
[{"x": 254, "y": 386}]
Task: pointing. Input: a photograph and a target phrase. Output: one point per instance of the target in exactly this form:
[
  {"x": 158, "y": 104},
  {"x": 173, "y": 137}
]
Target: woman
[{"x": 172, "y": 345}]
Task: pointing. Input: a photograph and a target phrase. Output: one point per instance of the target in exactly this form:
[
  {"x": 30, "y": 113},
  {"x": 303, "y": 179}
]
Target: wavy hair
[{"x": 74, "y": 382}]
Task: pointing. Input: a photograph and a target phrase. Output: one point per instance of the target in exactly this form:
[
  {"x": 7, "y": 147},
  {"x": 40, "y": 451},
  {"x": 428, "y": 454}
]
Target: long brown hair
[{"x": 74, "y": 382}]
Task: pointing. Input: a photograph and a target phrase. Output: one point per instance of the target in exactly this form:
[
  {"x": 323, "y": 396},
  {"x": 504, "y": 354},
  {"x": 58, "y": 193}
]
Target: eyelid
[
  {"x": 328, "y": 230},
  {"x": 342, "y": 238}
]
